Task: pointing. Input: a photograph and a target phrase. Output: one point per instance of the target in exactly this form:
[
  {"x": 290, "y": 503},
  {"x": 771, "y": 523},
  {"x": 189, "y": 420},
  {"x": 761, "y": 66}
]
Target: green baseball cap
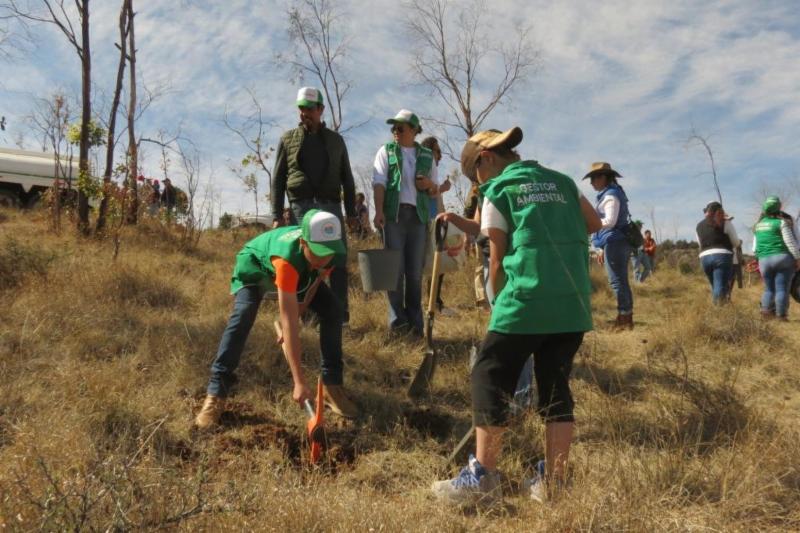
[
  {"x": 323, "y": 233},
  {"x": 309, "y": 97},
  {"x": 771, "y": 205},
  {"x": 404, "y": 116}
]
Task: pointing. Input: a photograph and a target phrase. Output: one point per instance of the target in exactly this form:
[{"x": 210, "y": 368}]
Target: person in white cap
[
  {"x": 286, "y": 260},
  {"x": 404, "y": 182},
  {"x": 312, "y": 169}
]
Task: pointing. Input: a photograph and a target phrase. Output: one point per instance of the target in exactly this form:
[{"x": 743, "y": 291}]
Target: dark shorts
[{"x": 500, "y": 362}]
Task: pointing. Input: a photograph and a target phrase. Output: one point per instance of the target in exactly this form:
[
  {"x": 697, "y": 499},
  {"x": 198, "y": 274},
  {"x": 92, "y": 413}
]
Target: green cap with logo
[
  {"x": 323, "y": 233},
  {"x": 404, "y": 116},
  {"x": 771, "y": 205},
  {"x": 309, "y": 97}
]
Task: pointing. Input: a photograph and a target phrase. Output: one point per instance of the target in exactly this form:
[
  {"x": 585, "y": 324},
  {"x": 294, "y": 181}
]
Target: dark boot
[{"x": 624, "y": 322}]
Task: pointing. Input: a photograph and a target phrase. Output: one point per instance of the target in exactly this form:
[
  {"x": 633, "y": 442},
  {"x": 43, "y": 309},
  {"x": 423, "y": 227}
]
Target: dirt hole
[{"x": 244, "y": 428}]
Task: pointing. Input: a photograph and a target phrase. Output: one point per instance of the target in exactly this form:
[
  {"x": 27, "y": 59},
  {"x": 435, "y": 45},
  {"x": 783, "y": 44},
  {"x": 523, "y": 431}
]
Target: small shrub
[
  {"x": 130, "y": 286},
  {"x": 19, "y": 260}
]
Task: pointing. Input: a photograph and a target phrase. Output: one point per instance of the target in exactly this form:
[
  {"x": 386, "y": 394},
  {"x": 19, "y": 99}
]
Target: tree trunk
[
  {"x": 86, "y": 116},
  {"x": 133, "y": 153},
  {"x": 112, "y": 120}
]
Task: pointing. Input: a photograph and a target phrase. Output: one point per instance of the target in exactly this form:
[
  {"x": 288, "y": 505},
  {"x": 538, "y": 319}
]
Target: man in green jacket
[
  {"x": 288, "y": 261},
  {"x": 313, "y": 170},
  {"x": 538, "y": 224}
]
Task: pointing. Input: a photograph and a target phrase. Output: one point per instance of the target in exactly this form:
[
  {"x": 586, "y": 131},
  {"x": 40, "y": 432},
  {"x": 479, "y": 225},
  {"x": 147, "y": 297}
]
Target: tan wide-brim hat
[
  {"x": 601, "y": 167},
  {"x": 486, "y": 140}
]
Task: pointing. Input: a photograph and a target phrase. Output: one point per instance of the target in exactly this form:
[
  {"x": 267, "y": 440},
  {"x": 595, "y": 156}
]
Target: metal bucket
[
  {"x": 795, "y": 288},
  {"x": 380, "y": 269}
]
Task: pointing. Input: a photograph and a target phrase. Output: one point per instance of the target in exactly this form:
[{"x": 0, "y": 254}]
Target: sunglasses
[{"x": 398, "y": 128}]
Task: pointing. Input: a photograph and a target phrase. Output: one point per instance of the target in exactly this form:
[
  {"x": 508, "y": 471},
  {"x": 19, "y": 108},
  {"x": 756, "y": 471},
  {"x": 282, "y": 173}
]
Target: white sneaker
[
  {"x": 537, "y": 489},
  {"x": 474, "y": 484}
]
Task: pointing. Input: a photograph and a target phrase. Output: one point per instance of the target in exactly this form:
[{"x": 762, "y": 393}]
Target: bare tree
[
  {"x": 133, "y": 156},
  {"x": 112, "y": 117},
  {"x": 51, "y": 118},
  {"x": 317, "y": 31},
  {"x": 56, "y": 12},
  {"x": 12, "y": 39},
  {"x": 452, "y": 47},
  {"x": 197, "y": 208},
  {"x": 252, "y": 131},
  {"x": 696, "y": 139}
]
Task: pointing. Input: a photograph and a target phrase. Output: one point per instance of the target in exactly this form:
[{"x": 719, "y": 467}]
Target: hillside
[{"x": 689, "y": 422}]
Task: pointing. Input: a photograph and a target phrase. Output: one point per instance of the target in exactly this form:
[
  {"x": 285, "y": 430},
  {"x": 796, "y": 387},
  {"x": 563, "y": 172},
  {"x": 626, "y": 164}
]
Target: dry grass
[{"x": 686, "y": 423}]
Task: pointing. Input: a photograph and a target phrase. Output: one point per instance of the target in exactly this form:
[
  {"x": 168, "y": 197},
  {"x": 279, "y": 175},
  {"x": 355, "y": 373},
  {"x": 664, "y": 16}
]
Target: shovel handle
[
  {"x": 309, "y": 408},
  {"x": 440, "y": 233}
]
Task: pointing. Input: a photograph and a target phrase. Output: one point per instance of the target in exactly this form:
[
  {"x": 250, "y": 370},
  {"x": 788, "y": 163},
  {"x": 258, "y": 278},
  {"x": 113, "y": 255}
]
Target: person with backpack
[
  {"x": 537, "y": 223},
  {"x": 778, "y": 257},
  {"x": 612, "y": 239},
  {"x": 718, "y": 240}
]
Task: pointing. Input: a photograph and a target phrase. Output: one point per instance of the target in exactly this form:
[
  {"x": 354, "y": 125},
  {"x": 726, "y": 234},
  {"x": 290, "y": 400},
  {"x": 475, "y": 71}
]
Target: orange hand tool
[{"x": 315, "y": 425}]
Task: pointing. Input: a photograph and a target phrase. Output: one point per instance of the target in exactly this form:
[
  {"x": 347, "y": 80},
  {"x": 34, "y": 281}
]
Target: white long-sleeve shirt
[{"x": 608, "y": 211}]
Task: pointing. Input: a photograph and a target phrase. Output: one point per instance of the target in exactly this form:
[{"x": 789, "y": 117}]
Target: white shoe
[
  {"x": 537, "y": 489},
  {"x": 474, "y": 484}
]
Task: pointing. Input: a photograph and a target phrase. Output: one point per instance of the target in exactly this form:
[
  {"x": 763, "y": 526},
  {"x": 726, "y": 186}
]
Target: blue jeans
[
  {"x": 718, "y": 269},
  {"x": 245, "y": 309},
  {"x": 408, "y": 235},
  {"x": 339, "y": 274},
  {"x": 617, "y": 254},
  {"x": 642, "y": 266},
  {"x": 777, "y": 272}
]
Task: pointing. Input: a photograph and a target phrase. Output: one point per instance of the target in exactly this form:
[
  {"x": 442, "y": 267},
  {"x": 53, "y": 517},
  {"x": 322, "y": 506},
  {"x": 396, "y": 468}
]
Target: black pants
[{"x": 500, "y": 362}]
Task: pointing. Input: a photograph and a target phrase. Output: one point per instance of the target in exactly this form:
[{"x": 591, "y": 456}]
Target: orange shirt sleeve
[{"x": 286, "y": 277}]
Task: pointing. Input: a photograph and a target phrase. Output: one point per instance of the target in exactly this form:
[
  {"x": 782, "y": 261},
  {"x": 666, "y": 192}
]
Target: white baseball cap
[
  {"x": 323, "y": 233},
  {"x": 309, "y": 97}
]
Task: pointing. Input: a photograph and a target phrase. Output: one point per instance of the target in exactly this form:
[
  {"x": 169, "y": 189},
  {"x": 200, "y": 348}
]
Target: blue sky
[{"x": 619, "y": 81}]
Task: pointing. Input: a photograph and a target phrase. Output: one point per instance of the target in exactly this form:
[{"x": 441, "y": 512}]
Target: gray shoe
[{"x": 474, "y": 484}]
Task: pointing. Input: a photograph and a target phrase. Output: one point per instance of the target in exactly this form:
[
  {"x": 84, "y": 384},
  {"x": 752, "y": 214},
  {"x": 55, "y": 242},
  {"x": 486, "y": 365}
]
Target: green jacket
[
  {"x": 288, "y": 178},
  {"x": 254, "y": 261},
  {"x": 391, "y": 198},
  {"x": 547, "y": 287}
]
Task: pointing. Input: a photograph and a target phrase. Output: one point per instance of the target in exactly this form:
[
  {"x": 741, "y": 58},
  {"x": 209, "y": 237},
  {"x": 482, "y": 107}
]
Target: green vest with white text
[
  {"x": 254, "y": 261},
  {"x": 547, "y": 288},
  {"x": 391, "y": 198},
  {"x": 769, "y": 239}
]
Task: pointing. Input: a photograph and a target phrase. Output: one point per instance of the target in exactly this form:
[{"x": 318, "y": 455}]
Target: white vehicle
[
  {"x": 25, "y": 176},
  {"x": 262, "y": 221}
]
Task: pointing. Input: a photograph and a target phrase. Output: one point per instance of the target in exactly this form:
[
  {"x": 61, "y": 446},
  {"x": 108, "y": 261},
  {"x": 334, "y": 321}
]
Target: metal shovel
[
  {"x": 422, "y": 379},
  {"x": 315, "y": 426}
]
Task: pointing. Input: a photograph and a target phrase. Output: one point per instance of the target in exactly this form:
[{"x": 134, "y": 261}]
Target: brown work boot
[
  {"x": 767, "y": 314},
  {"x": 208, "y": 417},
  {"x": 623, "y": 322},
  {"x": 336, "y": 398}
]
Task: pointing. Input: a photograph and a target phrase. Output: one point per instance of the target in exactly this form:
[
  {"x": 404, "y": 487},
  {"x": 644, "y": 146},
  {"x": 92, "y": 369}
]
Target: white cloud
[{"x": 621, "y": 81}]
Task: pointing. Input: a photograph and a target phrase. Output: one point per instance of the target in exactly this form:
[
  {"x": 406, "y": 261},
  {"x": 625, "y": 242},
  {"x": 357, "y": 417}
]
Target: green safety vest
[
  {"x": 769, "y": 239},
  {"x": 254, "y": 261},
  {"x": 547, "y": 287},
  {"x": 391, "y": 198}
]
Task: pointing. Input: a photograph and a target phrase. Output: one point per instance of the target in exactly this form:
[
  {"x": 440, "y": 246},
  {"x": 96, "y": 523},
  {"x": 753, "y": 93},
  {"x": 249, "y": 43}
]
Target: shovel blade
[{"x": 421, "y": 383}]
